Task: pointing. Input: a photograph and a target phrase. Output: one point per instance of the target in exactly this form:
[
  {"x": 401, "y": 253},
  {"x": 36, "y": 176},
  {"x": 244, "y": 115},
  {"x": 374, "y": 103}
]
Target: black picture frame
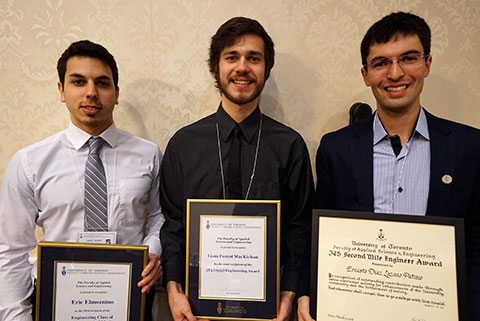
[
  {"x": 51, "y": 252},
  {"x": 234, "y": 309},
  {"x": 350, "y": 216}
]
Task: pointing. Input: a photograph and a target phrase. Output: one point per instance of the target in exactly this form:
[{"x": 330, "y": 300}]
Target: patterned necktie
[
  {"x": 234, "y": 167},
  {"x": 96, "y": 213}
]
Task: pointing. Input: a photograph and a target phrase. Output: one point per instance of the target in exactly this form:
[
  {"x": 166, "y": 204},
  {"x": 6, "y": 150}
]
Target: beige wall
[{"x": 161, "y": 47}]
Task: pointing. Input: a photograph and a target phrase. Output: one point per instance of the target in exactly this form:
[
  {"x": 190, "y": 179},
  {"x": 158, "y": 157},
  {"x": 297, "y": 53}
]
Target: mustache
[{"x": 244, "y": 76}]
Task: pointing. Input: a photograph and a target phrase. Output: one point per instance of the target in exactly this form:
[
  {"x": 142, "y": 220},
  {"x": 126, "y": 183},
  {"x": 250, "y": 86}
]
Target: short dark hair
[
  {"x": 229, "y": 33},
  {"x": 396, "y": 23},
  {"x": 86, "y": 48}
]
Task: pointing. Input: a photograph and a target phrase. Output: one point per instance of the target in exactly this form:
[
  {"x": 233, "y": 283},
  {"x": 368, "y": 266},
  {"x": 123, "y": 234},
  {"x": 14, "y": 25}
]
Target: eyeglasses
[{"x": 406, "y": 62}]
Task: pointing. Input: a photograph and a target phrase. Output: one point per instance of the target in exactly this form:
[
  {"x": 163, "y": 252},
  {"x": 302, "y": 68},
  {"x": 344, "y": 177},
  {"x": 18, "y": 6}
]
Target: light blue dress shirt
[{"x": 401, "y": 183}]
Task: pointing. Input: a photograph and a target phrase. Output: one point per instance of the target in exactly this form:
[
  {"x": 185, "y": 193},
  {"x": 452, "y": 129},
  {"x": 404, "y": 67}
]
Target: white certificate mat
[
  {"x": 232, "y": 260},
  {"x": 373, "y": 270},
  {"x": 92, "y": 291}
]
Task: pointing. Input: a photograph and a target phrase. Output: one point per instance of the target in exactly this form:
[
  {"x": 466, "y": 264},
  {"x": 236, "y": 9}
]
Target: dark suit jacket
[{"x": 344, "y": 164}]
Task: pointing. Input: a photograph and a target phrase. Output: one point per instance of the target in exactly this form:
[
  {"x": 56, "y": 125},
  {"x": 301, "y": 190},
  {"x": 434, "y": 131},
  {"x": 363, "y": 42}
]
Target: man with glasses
[{"x": 404, "y": 160}]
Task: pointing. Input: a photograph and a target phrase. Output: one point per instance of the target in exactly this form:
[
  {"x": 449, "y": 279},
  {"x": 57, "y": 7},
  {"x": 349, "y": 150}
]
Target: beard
[{"x": 241, "y": 100}]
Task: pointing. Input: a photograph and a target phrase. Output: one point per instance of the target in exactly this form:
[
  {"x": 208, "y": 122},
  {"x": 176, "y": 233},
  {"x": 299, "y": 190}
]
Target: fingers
[
  {"x": 189, "y": 315},
  {"x": 151, "y": 273},
  {"x": 152, "y": 261},
  {"x": 178, "y": 302},
  {"x": 286, "y": 300},
  {"x": 282, "y": 316},
  {"x": 303, "y": 311}
]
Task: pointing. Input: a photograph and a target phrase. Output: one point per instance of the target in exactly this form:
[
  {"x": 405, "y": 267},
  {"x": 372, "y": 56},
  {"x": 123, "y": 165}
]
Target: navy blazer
[{"x": 344, "y": 164}]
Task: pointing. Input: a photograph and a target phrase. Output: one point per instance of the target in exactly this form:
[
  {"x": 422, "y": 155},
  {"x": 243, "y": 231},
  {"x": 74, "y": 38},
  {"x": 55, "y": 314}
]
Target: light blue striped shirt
[{"x": 401, "y": 183}]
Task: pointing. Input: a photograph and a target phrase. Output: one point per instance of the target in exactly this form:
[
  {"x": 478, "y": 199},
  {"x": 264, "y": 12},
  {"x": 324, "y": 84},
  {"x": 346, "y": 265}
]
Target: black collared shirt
[{"x": 191, "y": 169}]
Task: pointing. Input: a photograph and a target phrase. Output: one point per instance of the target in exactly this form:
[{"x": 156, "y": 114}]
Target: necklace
[{"x": 254, "y": 161}]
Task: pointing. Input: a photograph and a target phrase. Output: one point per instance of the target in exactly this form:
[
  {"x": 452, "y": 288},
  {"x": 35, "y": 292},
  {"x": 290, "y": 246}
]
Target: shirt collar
[
  {"x": 78, "y": 137},
  {"x": 249, "y": 126},
  {"x": 422, "y": 125},
  {"x": 380, "y": 133}
]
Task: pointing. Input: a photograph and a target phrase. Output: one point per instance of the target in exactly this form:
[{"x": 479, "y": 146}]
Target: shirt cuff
[{"x": 154, "y": 245}]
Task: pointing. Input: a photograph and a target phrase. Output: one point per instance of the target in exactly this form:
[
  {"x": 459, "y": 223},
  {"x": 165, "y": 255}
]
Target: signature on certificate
[
  {"x": 340, "y": 317},
  {"x": 417, "y": 319}
]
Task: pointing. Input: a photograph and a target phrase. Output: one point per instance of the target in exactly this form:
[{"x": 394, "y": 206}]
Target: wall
[{"x": 161, "y": 47}]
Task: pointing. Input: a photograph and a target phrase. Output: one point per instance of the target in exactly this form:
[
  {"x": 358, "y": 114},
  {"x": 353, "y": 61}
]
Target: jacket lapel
[
  {"x": 443, "y": 151},
  {"x": 362, "y": 160}
]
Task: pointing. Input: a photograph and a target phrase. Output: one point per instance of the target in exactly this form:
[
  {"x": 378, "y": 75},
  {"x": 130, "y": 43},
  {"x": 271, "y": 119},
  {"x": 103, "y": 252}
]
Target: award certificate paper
[
  {"x": 92, "y": 291},
  {"x": 232, "y": 257},
  {"x": 372, "y": 270}
]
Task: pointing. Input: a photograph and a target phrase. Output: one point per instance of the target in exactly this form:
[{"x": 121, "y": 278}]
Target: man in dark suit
[{"x": 402, "y": 159}]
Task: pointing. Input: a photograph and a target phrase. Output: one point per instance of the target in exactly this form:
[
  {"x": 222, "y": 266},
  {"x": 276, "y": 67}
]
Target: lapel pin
[{"x": 447, "y": 179}]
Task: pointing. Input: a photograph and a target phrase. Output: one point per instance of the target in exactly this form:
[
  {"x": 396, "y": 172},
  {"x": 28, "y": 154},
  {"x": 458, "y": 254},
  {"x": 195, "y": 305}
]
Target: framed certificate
[
  {"x": 233, "y": 261},
  {"x": 368, "y": 266},
  {"x": 79, "y": 281}
]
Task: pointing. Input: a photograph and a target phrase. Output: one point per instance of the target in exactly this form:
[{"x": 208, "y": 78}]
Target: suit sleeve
[
  {"x": 172, "y": 234},
  {"x": 324, "y": 191},
  {"x": 18, "y": 212},
  {"x": 472, "y": 244}
]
